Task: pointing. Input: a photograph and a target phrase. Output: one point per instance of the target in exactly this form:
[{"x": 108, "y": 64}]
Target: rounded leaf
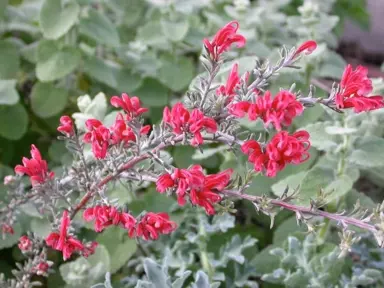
[
  {"x": 13, "y": 121},
  {"x": 60, "y": 64},
  {"x": 8, "y": 92},
  {"x": 48, "y": 100},
  {"x": 9, "y": 59},
  {"x": 56, "y": 20},
  {"x": 152, "y": 93}
]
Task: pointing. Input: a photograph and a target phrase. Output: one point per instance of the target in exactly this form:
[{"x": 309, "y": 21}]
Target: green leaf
[
  {"x": 368, "y": 152},
  {"x": 176, "y": 73},
  {"x": 156, "y": 274},
  {"x": 85, "y": 272},
  {"x": 59, "y": 64},
  {"x": 309, "y": 116},
  {"x": 175, "y": 31},
  {"x": 56, "y": 20},
  {"x": 339, "y": 187},
  {"x": 9, "y": 59},
  {"x": 46, "y": 49},
  {"x": 17, "y": 115},
  {"x": 8, "y": 92},
  {"x": 29, "y": 52},
  {"x": 202, "y": 280},
  {"x": 209, "y": 152},
  {"x": 333, "y": 66},
  {"x": 317, "y": 178},
  {"x": 319, "y": 138},
  {"x": 98, "y": 27},
  {"x": 119, "y": 245},
  {"x": 126, "y": 81},
  {"x": 264, "y": 262},
  {"x": 11, "y": 239},
  {"x": 288, "y": 228},
  {"x": 100, "y": 70},
  {"x": 151, "y": 34},
  {"x": 152, "y": 93},
  {"x": 354, "y": 196},
  {"x": 292, "y": 182},
  {"x": 41, "y": 227},
  {"x": 48, "y": 100},
  {"x": 179, "y": 282},
  {"x": 152, "y": 201}
]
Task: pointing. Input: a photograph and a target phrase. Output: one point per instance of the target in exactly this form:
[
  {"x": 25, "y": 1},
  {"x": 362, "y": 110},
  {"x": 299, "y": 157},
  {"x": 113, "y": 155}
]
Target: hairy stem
[{"x": 344, "y": 220}]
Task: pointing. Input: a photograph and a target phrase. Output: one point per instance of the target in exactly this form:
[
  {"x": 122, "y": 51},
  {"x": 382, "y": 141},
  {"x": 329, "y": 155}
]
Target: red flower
[
  {"x": 121, "y": 132},
  {"x": 25, "y": 244},
  {"x": 131, "y": 105},
  {"x": 66, "y": 126},
  {"x": 280, "y": 111},
  {"x": 41, "y": 268},
  {"x": 200, "y": 188},
  {"x": 182, "y": 122},
  {"x": 104, "y": 216},
  {"x": 99, "y": 136},
  {"x": 152, "y": 225},
  {"x": 89, "y": 249},
  {"x": 36, "y": 168},
  {"x": 307, "y": 47},
  {"x": 354, "y": 88},
  {"x": 7, "y": 229},
  {"x": 205, "y": 196},
  {"x": 128, "y": 221},
  {"x": 256, "y": 155},
  {"x": 239, "y": 109},
  {"x": 223, "y": 39},
  {"x": 63, "y": 242},
  {"x": 283, "y": 149},
  {"x": 233, "y": 80},
  {"x": 181, "y": 180}
]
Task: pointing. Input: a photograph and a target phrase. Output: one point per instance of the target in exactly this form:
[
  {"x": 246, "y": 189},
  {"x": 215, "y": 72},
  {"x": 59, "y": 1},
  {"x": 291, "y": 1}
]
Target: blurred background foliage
[{"x": 53, "y": 51}]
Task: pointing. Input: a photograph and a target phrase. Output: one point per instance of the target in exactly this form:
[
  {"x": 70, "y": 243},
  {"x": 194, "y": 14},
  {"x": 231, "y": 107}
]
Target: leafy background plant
[{"x": 53, "y": 51}]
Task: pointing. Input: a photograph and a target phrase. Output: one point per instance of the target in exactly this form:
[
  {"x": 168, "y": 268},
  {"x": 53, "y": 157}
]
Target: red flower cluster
[
  {"x": 25, "y": 244},
  {"x": 121, "y": 132},
  {"x": 131, "y": 105},
  {"x": 307, "y": 47},
  {"x": 354, "y": 88},
  {"x": 223, "y": 39},
  {"x": 41, "y": 268},
  {"x": 182, "y": 121},
  {"x": 233, "y": 80},
  {"x": 153, "y": 224},
  {"x": 7, "y": 229},
  {"x": 66, "y": 126},
  {"x": 101, "y": 137},
  {"x": 283, "y": 149},
  {"x": 280, "y": 110},
  {"x": 65, "y": 243},
  {"x": 98, "y": 136},
  {"x": 150, "y": 226},
  {"x": 200, "y": 188},
  {"x": 36, "y": 168},
  {"x": 105, "y": 216}
]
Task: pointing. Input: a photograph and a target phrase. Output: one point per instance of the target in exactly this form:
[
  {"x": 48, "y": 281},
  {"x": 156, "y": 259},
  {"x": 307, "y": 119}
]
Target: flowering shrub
[{"x": 94, "y": 228}]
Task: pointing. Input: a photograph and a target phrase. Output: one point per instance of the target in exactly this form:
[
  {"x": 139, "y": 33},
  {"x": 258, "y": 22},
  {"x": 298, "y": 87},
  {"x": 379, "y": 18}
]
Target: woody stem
[{"x": 341, "y": 219}]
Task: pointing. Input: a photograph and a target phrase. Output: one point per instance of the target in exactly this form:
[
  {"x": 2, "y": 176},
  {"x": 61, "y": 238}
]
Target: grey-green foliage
[
  {"x": 139, "y": 46},
  {"x": 309, "y": 264},
  {"x": 182, "y": 255}
]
